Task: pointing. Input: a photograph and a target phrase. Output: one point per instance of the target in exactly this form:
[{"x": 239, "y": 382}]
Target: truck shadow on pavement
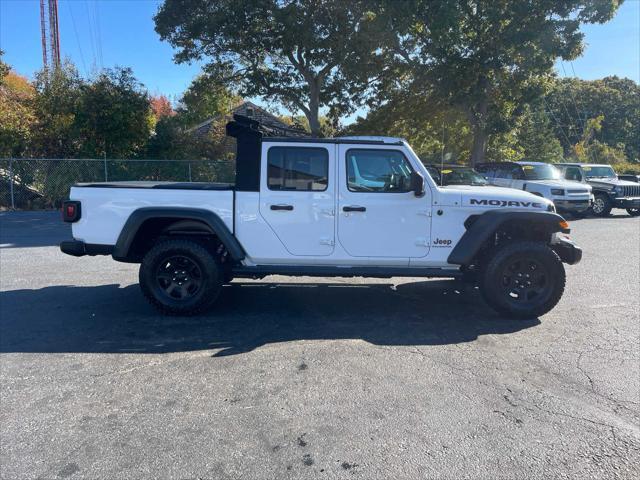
[{"x": 109, "y": 319}]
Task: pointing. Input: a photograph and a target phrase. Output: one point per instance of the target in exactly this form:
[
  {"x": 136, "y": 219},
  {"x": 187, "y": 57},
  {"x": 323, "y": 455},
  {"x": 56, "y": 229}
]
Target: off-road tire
[
  {"x": 195, "y": 266},
  {"x": 634, "y": 212},
  {"x": 497, "y": 280},
  {"x": 601, "y": 205}
]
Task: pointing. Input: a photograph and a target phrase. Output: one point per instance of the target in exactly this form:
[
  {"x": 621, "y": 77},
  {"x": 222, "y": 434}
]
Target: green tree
[
  {"x": 4, "y": 68},
  {"x": 537, "y": 138},
  {"x": 16, "y": 112},
  {"x": 56, "y": 104},
  {"x": 572, "y": 103},
  {"x": 589, "y": 149},
  {"x": 114, "y": 116},
  {"x": 205, "y": 98},
  {"x": 487, "y": 59},
  {"x": 433, "y": 129},
  {"x": 305, "y": 54}
]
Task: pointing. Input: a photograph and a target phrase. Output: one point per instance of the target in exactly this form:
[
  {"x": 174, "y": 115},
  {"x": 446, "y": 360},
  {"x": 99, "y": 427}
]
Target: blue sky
[{"x": 97, "y": 33}]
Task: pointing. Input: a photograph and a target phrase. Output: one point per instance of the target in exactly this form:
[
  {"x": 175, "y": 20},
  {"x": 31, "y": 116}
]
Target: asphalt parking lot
[{"x": 307, "y": 378}]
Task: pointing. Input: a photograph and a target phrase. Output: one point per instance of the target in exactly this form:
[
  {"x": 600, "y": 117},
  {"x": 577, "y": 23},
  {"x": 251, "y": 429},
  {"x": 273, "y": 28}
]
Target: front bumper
[
  {"x": 627, "y": 202},
  {"x": 78, "y": 248},
  {"x": 568, "y": 251},
  {"x": 573, "y": 205}
]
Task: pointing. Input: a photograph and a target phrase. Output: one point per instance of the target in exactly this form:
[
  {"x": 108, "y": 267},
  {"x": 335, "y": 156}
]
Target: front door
[
  {"x": 297, "y": 197},
  {"x": 378, "y": 215}
]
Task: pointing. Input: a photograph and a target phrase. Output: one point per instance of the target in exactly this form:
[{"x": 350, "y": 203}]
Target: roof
[
  {"x": 446, "y": 165},
  {"x": 578, "y": 164},
  {"x": 341, "y": 140},
  {"x": 374, "y": 138},
  {"x": 484, "y": 164}
]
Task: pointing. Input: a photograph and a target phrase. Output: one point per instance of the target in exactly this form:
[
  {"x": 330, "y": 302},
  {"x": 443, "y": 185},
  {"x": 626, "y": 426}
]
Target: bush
[{"x": 627, "y": 167}]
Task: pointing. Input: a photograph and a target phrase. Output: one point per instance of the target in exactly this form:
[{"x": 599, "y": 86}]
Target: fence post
[
  {"x": 13, "y": 203},
  {"x": 106, "y": 176},
  {"x": 189, "y": 171}
]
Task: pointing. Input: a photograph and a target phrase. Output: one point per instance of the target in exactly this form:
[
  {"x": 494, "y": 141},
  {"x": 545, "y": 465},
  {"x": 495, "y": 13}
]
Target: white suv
[{"x": 541, "y": 179}]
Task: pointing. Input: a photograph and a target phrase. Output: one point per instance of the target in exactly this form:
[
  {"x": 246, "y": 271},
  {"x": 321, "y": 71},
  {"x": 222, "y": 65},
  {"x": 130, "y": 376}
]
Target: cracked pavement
[{"x": 314, "y": 378}]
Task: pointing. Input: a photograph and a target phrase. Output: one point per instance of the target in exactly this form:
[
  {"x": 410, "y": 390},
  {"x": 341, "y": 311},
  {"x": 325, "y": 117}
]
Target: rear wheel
[
  {"x": 634, "y": 212},
  {"x": 180, "y": 277},
  {"x": 601, "y": 205},
  {"x": 523, "y": 280}
]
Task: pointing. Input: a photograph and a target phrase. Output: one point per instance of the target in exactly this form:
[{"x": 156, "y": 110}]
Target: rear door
[
  {"x": 297, "y": 196},
  {"x": 503, "y": 176},
  {"x": 378, "y": 215},
  {"x": 573, "y": 173}
]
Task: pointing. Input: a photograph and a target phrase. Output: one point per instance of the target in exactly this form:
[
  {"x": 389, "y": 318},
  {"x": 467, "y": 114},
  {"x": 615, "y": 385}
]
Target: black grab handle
[
  {"x": 354, "y": 209},
  {"x": 281, "y": 207}
]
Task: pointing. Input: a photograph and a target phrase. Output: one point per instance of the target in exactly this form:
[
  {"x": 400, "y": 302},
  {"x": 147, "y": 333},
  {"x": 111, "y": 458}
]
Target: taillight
[{"x": 71, "y": 211}]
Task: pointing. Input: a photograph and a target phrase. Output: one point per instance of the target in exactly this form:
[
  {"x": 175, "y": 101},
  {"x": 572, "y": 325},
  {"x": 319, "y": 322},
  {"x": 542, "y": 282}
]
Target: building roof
[{"x": 251, "y": 110}]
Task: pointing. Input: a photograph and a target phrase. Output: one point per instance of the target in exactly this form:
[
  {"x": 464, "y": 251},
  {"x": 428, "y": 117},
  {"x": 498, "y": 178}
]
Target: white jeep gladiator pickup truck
[{"x": 359, "y": 206}]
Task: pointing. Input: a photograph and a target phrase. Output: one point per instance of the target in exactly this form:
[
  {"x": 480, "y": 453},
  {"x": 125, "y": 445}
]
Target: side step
[{"x": 260, "y": 271}]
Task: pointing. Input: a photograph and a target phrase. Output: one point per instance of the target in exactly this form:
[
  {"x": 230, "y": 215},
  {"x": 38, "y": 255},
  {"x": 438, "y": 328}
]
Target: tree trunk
[
  {"x": 479, "y": 147},
  {"x": 478, "y": 118},
  {"x": 314, "y": 108}
]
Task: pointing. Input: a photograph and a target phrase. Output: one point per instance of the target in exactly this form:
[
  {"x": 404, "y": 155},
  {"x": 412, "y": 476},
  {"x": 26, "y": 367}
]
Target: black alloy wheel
[
  {"x": 180, "y": 277},
  {"x": 523, "y": 279},
  {"x": 601, "y": 205}
]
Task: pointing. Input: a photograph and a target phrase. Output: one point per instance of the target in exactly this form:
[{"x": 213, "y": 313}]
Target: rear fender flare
[{"x": 209, "y": 218}]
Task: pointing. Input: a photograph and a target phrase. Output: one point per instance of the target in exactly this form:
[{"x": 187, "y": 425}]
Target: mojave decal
[{"x": 505, "y": 203}]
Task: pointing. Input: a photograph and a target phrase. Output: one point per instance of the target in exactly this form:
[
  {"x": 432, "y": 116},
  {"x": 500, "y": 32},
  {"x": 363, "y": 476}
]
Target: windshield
[
  {"x": 457, "y": 176},
  {"x": 541, "y": 172},
  {"x": 592, "y": 172}
]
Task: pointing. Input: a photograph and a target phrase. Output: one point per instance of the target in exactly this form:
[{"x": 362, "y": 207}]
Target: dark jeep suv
[{"x": 608, "y": 189}]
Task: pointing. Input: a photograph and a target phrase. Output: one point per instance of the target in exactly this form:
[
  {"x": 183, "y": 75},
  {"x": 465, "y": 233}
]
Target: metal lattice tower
[{"x": 50, "y": 33}]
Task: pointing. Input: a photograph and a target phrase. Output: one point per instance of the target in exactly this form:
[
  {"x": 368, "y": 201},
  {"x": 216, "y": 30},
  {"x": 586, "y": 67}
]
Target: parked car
[
  {"x": 541, "y": 179},
  {"x": 445, "y": 175},
  {"x": 610, "y": 191},
  {"x": 359, "y": 206}
]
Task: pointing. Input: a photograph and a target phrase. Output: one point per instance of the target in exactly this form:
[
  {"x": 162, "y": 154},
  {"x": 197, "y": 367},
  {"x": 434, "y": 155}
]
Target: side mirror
[{"x": 417, "y": 184}]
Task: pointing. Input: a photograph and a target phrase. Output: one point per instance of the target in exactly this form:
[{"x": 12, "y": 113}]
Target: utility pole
[{"x": 50, "y": 33}]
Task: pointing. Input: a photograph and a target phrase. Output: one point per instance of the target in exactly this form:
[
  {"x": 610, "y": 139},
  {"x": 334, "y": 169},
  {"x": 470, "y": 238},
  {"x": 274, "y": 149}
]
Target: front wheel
[
  {"x": 601, "y": 205},
  {"x": 523, "y": 280},
  {"x": 634, "y": 212},
  {"x": 180, "y": 277}
]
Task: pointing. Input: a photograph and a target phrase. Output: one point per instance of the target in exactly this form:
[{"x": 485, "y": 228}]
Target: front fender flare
[
  {"x": 487, "y": 223},
  {"x": 209, "y": 218}
]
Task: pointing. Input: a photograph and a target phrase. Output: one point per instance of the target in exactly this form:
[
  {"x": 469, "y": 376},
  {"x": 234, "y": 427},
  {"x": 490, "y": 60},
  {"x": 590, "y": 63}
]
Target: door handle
[
  {"x": 282, "y": 207},
  {"x": 354, "y": 208}
]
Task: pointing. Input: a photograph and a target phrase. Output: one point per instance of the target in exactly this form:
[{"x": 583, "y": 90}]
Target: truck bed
[
  {"x": 107, "y": 206},
  {"x": 161, "y": 185}
]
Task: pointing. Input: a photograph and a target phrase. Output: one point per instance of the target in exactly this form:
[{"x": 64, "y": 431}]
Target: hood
[
  {"x": 566, "y": 184},
  {"x": 489, "y": 197},
  {"x": 610, "y": 182}
]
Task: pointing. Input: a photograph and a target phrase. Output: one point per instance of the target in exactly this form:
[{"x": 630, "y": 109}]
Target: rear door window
[
  {"x": 301, "y": 169},
  {"x": 573, "y": 173}
]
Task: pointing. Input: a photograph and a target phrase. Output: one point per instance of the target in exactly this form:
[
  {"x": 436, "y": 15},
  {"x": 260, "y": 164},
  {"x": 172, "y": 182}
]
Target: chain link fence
[{"x": 34, "y": 184}]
